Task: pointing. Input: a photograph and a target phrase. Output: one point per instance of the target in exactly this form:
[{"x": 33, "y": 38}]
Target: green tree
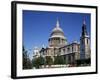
[
  {"x": 38, "y": 62},
  {"x": 49, "y": 60},
  {"x": 59, "y": 60},
  {"x": 27, "y": 64}
]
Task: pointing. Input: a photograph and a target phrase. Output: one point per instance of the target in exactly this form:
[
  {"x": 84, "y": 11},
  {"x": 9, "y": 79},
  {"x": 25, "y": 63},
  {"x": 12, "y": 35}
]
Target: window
[
  {"x": 64, "y": 50},
  {"x": 87, "y": 41},
  {"x": 72, "y": 48},
  {"x": 68, "y": 49}
]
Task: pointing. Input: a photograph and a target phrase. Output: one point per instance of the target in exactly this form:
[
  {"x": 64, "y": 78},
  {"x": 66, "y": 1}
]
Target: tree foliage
[
  {"x": 83, "y": 62},
  {"x": 59, "y": 60},
  {"x": 38, "y": 62},
  {"x": 27, "y": 64},
  {"x": 49, "y": 60}
]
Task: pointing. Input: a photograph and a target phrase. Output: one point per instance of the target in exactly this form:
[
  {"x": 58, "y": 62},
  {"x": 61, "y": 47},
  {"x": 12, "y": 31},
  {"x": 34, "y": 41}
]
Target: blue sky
[{"x": 37, "y": 26}]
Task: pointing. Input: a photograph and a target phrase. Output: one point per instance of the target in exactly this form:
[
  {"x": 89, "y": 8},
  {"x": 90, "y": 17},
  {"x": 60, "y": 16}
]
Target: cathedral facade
[{"x": 72, "y": 53}]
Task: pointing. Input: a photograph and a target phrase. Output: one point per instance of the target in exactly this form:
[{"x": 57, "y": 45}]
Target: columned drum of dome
[{"x": 57, "y": 38}]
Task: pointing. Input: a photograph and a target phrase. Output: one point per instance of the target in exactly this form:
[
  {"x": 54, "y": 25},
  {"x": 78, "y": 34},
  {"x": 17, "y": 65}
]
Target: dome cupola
[
  {"x": 57, "y": 37},
  {"x": 57, "y": 31}
]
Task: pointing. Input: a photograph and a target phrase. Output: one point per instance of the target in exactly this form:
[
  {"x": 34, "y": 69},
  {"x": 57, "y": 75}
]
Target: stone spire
[
  {"x": 57, "y": 23},
  {"x": 84, "y": 23},
  {"x": 84, "y": 30}
]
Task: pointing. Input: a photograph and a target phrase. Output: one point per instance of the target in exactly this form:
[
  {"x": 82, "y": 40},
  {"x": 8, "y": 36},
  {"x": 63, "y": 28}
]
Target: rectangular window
[{"x": 87, "y": 41}]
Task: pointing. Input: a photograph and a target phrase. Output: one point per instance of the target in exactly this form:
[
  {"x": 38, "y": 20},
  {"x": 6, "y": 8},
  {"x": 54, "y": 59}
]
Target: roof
[{"x": 57, "y": 32}]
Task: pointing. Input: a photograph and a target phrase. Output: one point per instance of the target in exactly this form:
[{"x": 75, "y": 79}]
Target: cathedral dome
[
  {"x": 57, "y": 29},
  {"x": 57, "y": 37},
  {"x": 57, "y": 32}
]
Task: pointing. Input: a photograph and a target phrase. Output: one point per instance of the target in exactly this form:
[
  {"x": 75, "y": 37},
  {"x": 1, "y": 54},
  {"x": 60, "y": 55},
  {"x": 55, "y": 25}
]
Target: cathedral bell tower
[{"x": 84, "y": 43}]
